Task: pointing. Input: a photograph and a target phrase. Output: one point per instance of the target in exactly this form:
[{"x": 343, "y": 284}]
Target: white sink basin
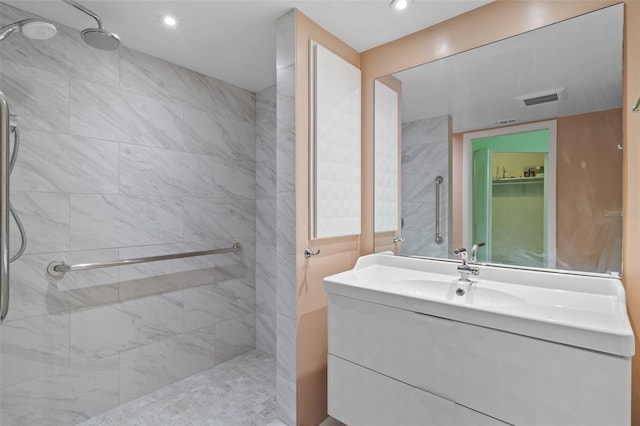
[
  {"x": 587, "y": 311},
  {"x": 481, "y": 296},
  {"x": 477, "y": 295},
  {"x": 424, "y": 289}
]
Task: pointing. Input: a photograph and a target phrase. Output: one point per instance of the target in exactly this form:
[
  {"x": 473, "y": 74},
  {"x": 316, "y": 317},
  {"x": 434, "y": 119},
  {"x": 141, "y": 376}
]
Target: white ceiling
[
  {"x": 235, "y": 40},
  {"x": 478, "y": 88}
]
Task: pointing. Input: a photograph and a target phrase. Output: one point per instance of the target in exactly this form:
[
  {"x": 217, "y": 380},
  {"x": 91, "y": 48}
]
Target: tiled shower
[
  {"x": 125, "y": 155},
  {"x": 425, "y": 151}
]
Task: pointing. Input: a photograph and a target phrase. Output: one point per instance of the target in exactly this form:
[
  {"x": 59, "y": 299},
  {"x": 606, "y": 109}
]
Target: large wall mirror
[{"x": 516, "y": 144}]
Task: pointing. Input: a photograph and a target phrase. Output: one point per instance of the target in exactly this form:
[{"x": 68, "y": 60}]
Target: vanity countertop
[{"x": 583, "y": 310}]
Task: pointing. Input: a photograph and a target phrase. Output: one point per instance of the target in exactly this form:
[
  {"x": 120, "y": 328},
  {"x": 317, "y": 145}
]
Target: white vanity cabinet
[
  {"x": 389, "y": 366},
  {"x": 359, "y": 396}
]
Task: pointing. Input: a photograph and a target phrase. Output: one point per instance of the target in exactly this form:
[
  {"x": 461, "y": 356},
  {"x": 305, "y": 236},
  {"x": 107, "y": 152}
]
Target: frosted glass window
[
  {"x": 386, "y": 158},
  {"x": 336, "y": 145}
]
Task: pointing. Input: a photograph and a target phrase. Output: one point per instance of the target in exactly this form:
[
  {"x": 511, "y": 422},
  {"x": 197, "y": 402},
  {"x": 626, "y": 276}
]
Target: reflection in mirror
[
  {"x": 511, "y": 169},
  {"x": 525, "y": 134},
  {"x": 387, "y": 162}
]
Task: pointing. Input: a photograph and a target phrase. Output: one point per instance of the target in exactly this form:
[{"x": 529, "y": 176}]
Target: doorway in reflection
[{"x": 510, "y": 199}]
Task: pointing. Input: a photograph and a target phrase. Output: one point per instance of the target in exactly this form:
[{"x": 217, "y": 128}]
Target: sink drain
[{"x": 460, "y": 292}]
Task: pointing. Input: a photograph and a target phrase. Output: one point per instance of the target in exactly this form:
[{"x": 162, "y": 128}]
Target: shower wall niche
[{"x": 123, "y": 155}]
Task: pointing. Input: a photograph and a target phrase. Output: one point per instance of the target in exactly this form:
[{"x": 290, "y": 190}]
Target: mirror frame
[{"x": 487, "y": 24}]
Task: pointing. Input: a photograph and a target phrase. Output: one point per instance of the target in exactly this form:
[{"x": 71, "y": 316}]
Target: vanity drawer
[
  {"x": 417, "y": 349},
  {"x": 359, "y": 396},
  {"x": 517, "y": 379}
]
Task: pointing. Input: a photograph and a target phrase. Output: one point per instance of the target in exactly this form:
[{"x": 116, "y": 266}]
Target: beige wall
[
  {"x": 630, "y": 190},
  {"x": 336, "y": 254},
  {"x": 589, "y": 184},
  {"x": 496, "y": 21}
]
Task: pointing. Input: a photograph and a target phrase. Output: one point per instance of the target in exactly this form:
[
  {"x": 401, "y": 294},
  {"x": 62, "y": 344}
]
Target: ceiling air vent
[{"x": 544, "y": 97}]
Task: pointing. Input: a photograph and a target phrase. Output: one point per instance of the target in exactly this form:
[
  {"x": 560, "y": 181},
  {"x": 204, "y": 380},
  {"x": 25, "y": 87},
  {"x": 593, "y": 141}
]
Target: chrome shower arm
[
  {"x": 7, "y": 30},
  {"x": 85, "y": 10}
]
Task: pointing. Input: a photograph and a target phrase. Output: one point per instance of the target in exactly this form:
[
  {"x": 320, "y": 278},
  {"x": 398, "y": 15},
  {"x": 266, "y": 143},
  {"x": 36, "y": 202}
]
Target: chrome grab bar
[
  {"x": 4, "y": 206},
  {"x": 59, "y": 268},
  {"x": 439, "y": 239}
]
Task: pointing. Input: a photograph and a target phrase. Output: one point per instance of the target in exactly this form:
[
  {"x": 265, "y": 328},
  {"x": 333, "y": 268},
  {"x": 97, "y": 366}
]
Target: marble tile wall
[
  {"x": 425, "y": 155},
  {"x": 126, "y": 155},
  {"x": 285, "y": 220},
  {"x": 266, "y": 296}
]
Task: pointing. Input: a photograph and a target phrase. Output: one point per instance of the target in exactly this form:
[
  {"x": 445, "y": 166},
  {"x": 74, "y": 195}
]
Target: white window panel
[{"x": 336, "y": 145}]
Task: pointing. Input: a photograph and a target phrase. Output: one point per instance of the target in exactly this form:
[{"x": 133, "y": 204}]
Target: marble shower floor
[{"x": 239, "y": 392}]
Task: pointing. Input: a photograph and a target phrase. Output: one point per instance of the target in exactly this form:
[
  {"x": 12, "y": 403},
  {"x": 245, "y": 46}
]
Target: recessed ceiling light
[
  {"x": 399, "y": 4},
  {"x": 169, "y": 20}
]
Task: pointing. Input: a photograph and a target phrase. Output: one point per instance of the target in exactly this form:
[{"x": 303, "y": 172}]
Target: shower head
[
  {"x": 33, "y": 28},
  {"x": 100, "y": 39},
  {"x": 39, "y": 30},
  {"x": 96, "y": 37}
]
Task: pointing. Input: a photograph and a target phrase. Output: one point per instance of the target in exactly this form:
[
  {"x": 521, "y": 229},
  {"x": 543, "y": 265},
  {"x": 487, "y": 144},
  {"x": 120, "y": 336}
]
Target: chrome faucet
[
  {"x": 474, "y": 252},
  {"x": 465, "y": 269}
]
